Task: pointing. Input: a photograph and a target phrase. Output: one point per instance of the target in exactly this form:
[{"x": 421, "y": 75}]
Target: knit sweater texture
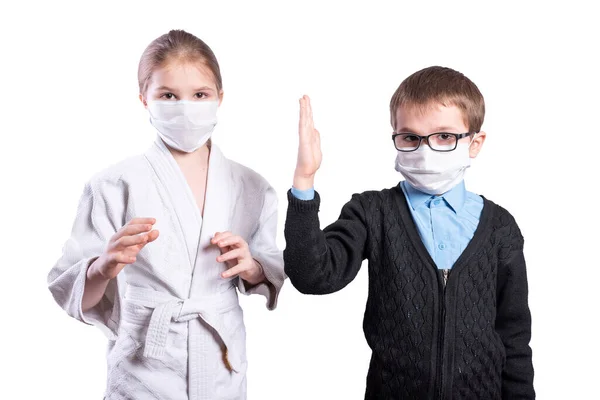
[{"x": 466, "y": 337}]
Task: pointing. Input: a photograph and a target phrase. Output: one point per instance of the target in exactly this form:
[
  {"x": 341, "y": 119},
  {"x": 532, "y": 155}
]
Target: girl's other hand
[{"x": 236, "y": 254}]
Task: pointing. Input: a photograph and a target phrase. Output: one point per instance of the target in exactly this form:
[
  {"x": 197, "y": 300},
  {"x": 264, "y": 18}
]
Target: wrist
[
  {"x": 303, "y": 182},
  {"x": 94, "y": 271},
  {"x": 257, "y": 276}
]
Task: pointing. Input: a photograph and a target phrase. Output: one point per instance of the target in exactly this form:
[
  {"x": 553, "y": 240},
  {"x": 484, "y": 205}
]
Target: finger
[
  {"x": 135, "y": 221},
  {"x": 132, "y": 251},
  {"x": 303, "y": 101},
  {"x": 119, "y": 257},
  {"x": 233, "y": 240},
  {"x": 130, "y": 230},
  {"x": 224, "y": 236},
  {"x": 153, "y": 235},
  {"x": 309, "y": 112},
  {"x": 220, "y": 236},
  {"x": 238, "y": 269},
  {"x": 127, "y": 241},
  {"x": 226, "y": 249},
  {"x": 318, "y": 138},
  {"x": 231, "y": 255},
  {"x": 302, "y": 113}
]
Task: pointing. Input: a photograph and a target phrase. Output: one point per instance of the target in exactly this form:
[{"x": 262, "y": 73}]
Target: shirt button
[
  {"x": 436, "y": 202},
  {"x": 441, "y": 246}
]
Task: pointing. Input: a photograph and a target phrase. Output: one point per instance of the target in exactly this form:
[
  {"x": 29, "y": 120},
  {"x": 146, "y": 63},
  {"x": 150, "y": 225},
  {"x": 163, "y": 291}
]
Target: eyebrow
[
  {"x": 441, "y": 129},
  {"x": 173, "y": 90},
  {"x": 444, "y": 129},
  {"x": 405, "y": 130}
]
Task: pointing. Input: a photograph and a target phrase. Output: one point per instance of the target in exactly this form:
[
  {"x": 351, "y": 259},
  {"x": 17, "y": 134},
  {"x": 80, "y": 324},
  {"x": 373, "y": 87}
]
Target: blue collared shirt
[{"x": 446, "y": 223}]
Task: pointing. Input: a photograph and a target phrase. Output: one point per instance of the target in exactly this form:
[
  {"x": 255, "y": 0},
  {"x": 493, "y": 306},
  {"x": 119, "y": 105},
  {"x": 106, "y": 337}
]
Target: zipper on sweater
[{"x": 440, "y": 366}]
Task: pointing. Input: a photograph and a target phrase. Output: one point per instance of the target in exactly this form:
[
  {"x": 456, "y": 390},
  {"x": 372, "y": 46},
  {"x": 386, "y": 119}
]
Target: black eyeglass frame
[{"x": 458, "y": 136}]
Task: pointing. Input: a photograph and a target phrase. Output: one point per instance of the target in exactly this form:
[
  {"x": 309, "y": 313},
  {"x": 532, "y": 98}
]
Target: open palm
[{"x": 309, "y": 147}]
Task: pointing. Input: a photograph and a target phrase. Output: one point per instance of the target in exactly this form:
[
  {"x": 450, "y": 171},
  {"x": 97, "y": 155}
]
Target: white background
[{"x": 69, "y": 109}]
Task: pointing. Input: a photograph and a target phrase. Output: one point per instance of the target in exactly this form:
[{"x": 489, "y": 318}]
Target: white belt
[{"x": 169, "y": 309}]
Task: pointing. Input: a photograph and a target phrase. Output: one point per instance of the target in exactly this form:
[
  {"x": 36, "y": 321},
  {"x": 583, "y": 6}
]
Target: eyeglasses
[{"x": 441, "y": 141}]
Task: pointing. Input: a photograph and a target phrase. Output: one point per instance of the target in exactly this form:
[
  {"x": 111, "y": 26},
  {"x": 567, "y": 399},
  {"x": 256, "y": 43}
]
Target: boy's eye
[
  {"x": 410, "y": 138},
  {"x": 445, "y": 136}
]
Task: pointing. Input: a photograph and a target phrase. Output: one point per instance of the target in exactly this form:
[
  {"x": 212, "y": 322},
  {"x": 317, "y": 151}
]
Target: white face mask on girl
[
  {"x": 434, "y": 172},
  {"x": 184, "y": 125}
]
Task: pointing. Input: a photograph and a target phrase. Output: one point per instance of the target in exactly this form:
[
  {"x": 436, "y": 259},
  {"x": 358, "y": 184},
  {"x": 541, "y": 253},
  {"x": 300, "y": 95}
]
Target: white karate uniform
[{"x": 174, "y": 325}]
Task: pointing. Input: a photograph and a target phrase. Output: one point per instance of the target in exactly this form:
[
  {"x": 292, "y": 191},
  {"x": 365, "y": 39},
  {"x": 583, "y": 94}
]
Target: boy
[{"x": 447, "y": 314}]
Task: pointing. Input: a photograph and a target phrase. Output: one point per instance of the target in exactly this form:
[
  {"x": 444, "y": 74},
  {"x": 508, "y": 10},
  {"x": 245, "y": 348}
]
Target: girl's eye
[
  {"x": 168, "y": 96},
  {"x": 200, "y": 95}
]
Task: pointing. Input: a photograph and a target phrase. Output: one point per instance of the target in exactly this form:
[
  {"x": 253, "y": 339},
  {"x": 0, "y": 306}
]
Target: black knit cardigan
[{"x": 464, "y": 338}]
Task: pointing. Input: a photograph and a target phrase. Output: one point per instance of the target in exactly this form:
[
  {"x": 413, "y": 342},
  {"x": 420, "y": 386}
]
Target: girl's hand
[
  {"x": 123, "y": 248},
  {"x": 309, "y": 148},
  {"x": 236, "y": 254}
]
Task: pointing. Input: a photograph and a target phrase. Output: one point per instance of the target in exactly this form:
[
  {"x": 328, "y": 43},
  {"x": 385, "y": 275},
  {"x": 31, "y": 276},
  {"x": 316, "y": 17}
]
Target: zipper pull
[{"x": 445, "y": 272}]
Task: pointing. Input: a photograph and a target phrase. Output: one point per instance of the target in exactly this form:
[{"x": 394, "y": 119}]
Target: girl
[{"x": 167, "y": 301}]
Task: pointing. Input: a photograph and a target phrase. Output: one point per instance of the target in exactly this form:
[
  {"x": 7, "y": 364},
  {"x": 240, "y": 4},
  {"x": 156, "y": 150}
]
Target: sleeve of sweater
[
  {"x": 513, "y": 322},
  {"x": 323, "y": 261}
]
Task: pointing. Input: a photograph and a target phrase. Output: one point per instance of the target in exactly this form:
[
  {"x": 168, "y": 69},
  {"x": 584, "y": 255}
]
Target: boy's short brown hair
[{"x": 444, "y": 86}]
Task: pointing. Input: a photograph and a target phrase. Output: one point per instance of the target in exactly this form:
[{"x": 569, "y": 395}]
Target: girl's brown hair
[
  {"x": 443, "y": 86},
  {"x": 176, "y": 45}
]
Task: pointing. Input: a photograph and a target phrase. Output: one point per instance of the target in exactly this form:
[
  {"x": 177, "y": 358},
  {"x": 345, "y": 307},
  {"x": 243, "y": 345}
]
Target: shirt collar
[
  {"x": 415, "y": 197},
  {"x": 455, "y": 197}
]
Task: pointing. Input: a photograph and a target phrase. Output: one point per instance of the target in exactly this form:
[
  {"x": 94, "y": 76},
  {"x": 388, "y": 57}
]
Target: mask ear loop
[{"x": 472, "y": 140}]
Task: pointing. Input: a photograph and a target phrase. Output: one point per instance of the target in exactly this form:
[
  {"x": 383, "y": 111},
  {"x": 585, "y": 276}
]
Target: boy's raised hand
[{"x": 309, "y": 148}]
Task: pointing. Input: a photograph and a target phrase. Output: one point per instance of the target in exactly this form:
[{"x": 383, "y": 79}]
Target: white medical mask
[
  {"x": 434, "y": 172},
  {"x": 184, "y": 125}
]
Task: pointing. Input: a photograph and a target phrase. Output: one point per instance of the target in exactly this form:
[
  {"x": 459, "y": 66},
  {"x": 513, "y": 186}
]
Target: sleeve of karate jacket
[
  {"x": 96, "y": 221},
  {"x": 323, "y": 261},
  {"x": 264, "y": 249},
  {"x": 513, "y": 320}
]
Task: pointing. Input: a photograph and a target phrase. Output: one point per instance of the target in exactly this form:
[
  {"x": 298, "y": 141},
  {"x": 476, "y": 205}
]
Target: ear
[
  {"x": 220, "y": 97},
  {"x": 477, "y": 144},
  {"x": 143, "y": 100}
]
